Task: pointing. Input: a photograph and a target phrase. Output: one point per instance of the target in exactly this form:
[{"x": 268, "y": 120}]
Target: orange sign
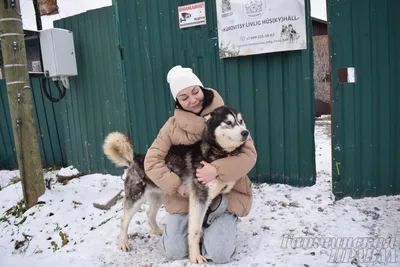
[{"x": 192, "y": 15}]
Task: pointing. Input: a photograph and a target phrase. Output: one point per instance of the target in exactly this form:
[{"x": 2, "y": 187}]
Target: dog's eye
[
  {"x": 228, "y": 123},
  {"x": 241, "y": 121}
]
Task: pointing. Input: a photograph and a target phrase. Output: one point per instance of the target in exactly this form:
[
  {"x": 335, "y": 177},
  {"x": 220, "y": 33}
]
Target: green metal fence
[
  {"x": 126, "y": 90},
  {"x": 95, "y": 104},
  {"x": 365, "y": 34},
  {"x": 8, "y": 157},
  {"x": 274, "y": 91},
  {"x": 49, "y": 126}
]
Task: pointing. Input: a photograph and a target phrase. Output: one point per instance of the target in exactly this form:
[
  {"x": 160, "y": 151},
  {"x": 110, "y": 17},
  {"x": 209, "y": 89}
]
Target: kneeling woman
[{"x": 192, "y": 101}]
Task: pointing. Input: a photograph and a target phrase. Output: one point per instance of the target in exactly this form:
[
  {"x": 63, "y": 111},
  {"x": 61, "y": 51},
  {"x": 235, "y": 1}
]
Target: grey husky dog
[{"x": 224, "y": 134}]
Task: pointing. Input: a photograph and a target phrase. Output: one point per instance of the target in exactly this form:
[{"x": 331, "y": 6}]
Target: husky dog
[{"x": 225, "y": 133}]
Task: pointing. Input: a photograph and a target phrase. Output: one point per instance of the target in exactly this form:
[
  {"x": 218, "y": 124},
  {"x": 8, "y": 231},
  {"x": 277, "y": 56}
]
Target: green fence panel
[
  {"x": 49, "y": 127},
  {"x": 95, "y": 104},
  {"x": 275, "y": 91},
  {"x": 8, "y": 156},
  {"x": 365, "y": 114}
]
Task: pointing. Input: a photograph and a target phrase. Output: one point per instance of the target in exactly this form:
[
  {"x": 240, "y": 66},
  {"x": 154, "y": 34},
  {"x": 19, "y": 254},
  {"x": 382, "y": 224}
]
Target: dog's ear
[{"x": 207, "y": 117}]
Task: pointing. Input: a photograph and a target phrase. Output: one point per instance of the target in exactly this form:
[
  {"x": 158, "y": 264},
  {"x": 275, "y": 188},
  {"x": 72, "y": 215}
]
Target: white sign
[
  {"x": 192, "y": 15},
  {"x": 249, "y": 27}
]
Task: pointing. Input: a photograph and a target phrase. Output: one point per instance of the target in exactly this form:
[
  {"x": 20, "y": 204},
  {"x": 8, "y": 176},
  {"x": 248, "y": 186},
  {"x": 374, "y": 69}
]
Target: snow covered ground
[{"x": 286, "y": 227}]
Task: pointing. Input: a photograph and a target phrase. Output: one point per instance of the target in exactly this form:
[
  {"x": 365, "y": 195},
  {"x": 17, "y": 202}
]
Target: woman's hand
[{"x": 207, "y": 173}]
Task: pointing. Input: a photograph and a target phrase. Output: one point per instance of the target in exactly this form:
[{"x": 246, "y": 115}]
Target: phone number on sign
[{"x": 260, "y": 36}]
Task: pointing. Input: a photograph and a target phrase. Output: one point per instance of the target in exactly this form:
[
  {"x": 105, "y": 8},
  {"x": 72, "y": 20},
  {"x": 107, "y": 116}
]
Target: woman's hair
[{"x": 208, "y": 99}]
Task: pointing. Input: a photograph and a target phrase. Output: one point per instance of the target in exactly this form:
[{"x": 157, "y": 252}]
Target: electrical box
[{"x": 58, "y": 53}]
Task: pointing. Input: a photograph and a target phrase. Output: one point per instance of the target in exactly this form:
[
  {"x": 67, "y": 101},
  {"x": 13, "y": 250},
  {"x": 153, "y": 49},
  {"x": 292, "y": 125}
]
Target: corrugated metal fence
[
  {"x": 274, "y": 91},
  {"x": 95, "y": 104},
  {"x": 126, "y": 90},
  {"x": 8, "y": 157},
  {"x": 365, "y": 115},
  {"x": 49, "y": 126}
]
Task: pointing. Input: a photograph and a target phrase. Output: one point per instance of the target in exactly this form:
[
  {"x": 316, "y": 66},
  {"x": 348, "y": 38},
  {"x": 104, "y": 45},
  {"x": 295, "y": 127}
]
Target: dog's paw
[
  {"x": 157, "y": 231},
  {"x": 197, "y": 259},
  {"x": 123, "y": 244}
]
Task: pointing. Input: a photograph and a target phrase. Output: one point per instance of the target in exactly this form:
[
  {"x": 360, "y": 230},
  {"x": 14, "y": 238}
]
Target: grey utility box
[{"x": 58, "y": 53}]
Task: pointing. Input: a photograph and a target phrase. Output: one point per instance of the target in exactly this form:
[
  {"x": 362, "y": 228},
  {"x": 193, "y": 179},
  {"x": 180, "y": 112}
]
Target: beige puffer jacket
[{"x": 186, "y": 128}]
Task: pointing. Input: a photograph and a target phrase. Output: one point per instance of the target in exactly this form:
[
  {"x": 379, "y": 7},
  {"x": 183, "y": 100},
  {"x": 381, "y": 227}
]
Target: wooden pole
[{"x": 20, "y": 101}]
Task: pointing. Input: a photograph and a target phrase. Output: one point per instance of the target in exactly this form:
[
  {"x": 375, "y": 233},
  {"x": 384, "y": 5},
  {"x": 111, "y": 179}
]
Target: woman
[{"x": 193, "y": 101}]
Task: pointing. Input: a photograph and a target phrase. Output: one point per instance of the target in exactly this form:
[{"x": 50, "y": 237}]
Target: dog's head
[{"x": 227, "y": 128}]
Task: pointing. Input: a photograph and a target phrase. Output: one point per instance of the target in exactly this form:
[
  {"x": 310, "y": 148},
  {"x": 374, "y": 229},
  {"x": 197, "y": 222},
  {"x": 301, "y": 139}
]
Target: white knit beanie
[{"x": 179, "y": 78}]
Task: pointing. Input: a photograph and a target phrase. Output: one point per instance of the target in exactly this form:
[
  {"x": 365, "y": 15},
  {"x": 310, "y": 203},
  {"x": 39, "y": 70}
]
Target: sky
[
  {"x": 318, "y": 9},
  {"x": 66, "y": 8}
]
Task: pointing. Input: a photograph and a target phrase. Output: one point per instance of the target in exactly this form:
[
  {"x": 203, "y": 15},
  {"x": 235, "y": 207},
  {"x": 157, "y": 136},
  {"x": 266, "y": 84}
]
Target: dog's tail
[{"x": 118, "y": 148}]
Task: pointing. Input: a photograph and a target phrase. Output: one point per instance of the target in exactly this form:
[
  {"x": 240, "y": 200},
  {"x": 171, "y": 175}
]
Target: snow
[
  {"x": 268, "y": 236},
  {"x": 66, "y": 8},
  {"x": 7, "y": 176},
  {"x": 68, "y": 171}
]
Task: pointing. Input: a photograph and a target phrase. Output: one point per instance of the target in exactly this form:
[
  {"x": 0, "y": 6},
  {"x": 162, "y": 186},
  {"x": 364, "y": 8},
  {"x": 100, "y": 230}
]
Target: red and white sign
[{"x": 192, "y": 15}]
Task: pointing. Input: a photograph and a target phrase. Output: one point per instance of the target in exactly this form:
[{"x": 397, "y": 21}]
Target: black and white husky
[{"x": 224, "y": 134}]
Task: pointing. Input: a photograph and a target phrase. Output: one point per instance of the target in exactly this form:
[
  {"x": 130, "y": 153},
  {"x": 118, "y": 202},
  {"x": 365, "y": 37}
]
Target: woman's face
[{"x": 191, "y": 98}]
